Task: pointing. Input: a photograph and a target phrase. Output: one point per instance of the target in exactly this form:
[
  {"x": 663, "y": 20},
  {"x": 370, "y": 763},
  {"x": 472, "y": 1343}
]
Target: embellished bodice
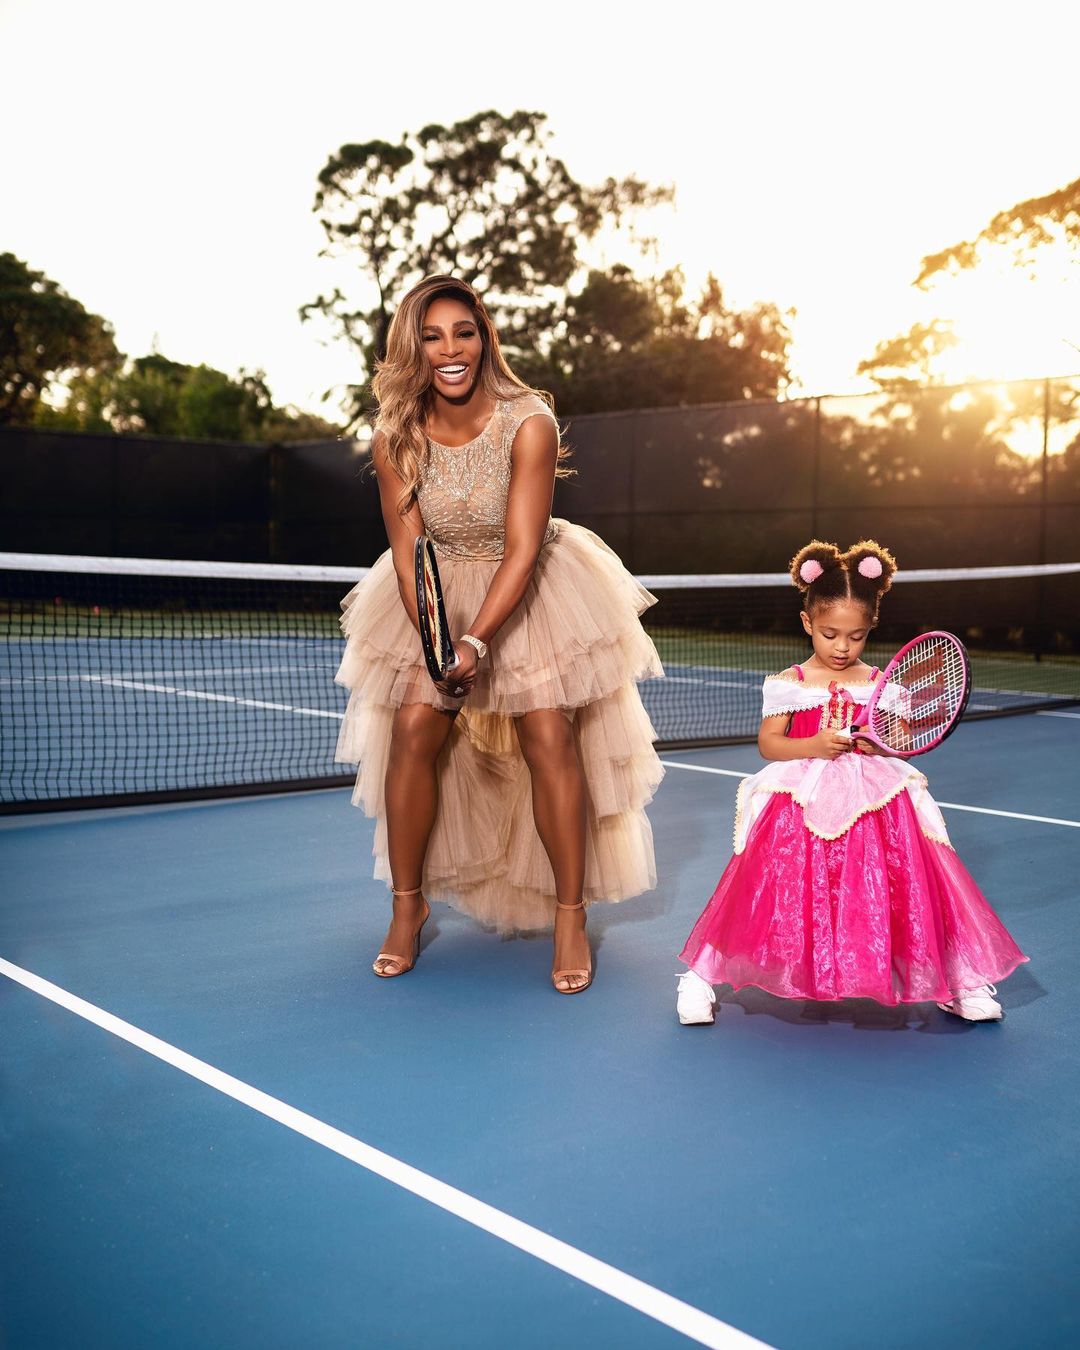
[
  {"x": 833, "y": 793},
  {"x": 463, "y": 489},
  {"x": 814, "y": 707}
]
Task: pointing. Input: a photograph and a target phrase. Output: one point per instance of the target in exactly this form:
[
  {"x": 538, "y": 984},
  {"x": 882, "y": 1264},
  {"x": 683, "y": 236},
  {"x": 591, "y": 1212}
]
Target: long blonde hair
[{"x": 402, "y": 382}]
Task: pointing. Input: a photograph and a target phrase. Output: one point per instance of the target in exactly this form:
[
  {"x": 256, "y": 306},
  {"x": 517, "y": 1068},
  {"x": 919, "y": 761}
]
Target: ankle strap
[
  {"x": 395, "y": 891},
  {"x": 559, "y": 905}
]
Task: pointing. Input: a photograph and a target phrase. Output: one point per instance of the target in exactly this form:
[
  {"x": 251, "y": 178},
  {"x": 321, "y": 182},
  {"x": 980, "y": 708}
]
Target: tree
[
  {"x": 155, "y": 396},
  {"x": 907, "y": 361},
  {"x": 1025, "y": 227},
  {"x": 625, "y": 342},
  {"x": 484, "y": 199},
  {"x": 45, "y": 334}
]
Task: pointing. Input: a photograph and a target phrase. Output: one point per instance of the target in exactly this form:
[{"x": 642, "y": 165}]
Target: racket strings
[
  {"x": 924, "y": 695},
  {"x": 431, "y": 611},
  {"x": 435, "y": 628}
]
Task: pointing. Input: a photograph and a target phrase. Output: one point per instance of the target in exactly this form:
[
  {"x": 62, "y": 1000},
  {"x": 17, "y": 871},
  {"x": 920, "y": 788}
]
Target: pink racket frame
[{"x": 956, "y": 687}]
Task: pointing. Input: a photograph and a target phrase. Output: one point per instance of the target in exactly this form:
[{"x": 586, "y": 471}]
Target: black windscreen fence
[{"x": 947, "y": 477}]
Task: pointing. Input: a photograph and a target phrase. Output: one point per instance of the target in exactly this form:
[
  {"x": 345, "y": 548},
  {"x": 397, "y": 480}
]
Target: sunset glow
[{"x": 778, "y": 130}]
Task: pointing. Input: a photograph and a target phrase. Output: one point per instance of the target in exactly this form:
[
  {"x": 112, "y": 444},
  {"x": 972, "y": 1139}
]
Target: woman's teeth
[{"x": 450, "y": 371}]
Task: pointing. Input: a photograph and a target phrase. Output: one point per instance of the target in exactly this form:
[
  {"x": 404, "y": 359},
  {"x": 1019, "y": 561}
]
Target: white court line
[
  {"x": 1046, "y": 712},
  {"x": 208, "y": 697},
  {"x": 1009, "y": 815},
  {"x": 671, "y": 1312},
  {"x": 704, "y": 768},
  {"x": 213, "y": 672},
  {"x": 945, "y": 806}
]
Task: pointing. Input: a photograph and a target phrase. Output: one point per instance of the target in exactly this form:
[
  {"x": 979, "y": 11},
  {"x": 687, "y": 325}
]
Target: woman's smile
[{"x": 453, "y": 375}]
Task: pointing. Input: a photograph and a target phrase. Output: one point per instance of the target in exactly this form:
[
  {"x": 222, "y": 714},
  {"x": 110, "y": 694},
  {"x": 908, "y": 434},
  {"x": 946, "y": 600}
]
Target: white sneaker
[
  {"x": 696, "y": 999},
  {"x": 975, "y": 1005}
]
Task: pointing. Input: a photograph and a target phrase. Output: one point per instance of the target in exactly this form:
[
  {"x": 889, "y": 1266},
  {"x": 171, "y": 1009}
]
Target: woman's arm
[
  {"x": 401, "y": 530},
  {"x": 528, "y": 508},
  {"x": 774, "y": 743}
]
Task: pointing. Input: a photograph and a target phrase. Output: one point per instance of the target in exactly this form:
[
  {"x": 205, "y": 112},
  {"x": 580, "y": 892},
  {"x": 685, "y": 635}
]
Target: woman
[{"x": 541, "y": 707}]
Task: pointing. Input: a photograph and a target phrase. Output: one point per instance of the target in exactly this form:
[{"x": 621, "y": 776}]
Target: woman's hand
[
  {"x": 461, "y": 676},
  {"x": 830, "y": 745}
]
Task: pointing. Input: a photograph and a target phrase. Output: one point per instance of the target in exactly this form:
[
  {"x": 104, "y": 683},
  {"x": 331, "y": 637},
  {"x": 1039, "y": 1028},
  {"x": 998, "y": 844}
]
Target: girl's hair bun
[
  {"x": 812, "y": 562},
  {"x": 871, "y": 567}
]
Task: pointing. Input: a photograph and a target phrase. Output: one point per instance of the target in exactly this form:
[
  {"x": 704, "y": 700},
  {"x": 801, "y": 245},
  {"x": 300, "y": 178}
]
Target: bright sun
[{"x": 1011, "y": 324}]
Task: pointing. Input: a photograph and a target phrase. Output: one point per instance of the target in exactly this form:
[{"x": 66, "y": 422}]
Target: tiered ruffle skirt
[{"x": 575, "y": 643}]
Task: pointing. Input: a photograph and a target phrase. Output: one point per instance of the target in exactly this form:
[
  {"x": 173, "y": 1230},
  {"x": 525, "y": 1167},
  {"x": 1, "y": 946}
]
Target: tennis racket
[
  {"x": 435, "y": 637},
  {"x": 918, "y": 698}
]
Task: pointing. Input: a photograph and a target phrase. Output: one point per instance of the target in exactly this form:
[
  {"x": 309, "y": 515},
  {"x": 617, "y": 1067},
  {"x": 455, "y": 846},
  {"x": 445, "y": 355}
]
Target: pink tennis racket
[{"x": 918, "y": 698}]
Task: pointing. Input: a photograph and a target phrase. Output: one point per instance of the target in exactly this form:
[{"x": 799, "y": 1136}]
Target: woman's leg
[
  {"x": 412, "y": 801},
  {"x": 558, "y": 796}
]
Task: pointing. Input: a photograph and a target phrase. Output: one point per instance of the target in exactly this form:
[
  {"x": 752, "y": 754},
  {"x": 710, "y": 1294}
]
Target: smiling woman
[{"x": 515, "y": 787}]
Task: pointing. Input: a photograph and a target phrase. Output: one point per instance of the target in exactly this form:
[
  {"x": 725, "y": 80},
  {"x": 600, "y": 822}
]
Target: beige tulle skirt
[{"x": 574, "y": 643}]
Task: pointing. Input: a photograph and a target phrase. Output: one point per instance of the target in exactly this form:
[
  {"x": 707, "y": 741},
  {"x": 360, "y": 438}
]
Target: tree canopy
[
  {"x": 1025, "y": 227},
  {"x": 49, "y": 339},
  {"x": 907, "y": 360},
  {"x": 487, "y": 200},
  {"x": 154, "y": 396},
  {"x": 45, "y": 335},
  {"x": 625, "y": 342}
]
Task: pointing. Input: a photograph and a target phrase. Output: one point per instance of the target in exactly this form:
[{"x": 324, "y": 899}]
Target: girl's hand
[
  {"x": 830, "y": 745},
  {"x": 461, "y": 677}
]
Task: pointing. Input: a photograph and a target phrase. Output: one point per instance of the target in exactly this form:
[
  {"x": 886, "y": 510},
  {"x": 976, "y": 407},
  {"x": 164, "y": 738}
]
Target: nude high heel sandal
[
  {"x": 568, "y": 975},
  {"x": 384, "y": 958}
]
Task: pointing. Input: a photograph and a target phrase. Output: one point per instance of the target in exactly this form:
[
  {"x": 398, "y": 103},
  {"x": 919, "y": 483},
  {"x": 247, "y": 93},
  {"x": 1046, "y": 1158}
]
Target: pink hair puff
[
  {"x": 812, "y": 569},
  {"x": 868, "y": 567}
]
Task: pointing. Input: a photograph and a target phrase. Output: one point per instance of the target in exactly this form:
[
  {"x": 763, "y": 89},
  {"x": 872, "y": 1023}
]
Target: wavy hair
[{"x": 403, "y": 382}]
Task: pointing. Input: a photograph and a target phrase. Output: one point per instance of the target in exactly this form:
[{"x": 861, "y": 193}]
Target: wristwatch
[{"x": 481, "y": 647}]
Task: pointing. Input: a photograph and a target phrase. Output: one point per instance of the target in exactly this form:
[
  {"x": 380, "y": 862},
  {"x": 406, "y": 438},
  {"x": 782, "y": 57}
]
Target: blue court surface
[{"x": 273, "y": 1148}]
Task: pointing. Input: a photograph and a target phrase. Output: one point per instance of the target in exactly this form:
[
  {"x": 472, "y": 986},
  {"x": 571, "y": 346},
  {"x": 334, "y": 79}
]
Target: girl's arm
[
  {"x": 401, "y": 530},
  {"x": 528, "y": 509},
  {"x": 774, "y": 742}
]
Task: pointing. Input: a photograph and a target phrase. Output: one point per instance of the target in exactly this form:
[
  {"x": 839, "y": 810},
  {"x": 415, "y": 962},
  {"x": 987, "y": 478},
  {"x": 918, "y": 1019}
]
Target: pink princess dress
[{"x": 843, "y": 883}]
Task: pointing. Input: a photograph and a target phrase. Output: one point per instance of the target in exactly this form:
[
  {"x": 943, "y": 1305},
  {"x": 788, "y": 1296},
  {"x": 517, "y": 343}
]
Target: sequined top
[{"x": 463, "y": 489}]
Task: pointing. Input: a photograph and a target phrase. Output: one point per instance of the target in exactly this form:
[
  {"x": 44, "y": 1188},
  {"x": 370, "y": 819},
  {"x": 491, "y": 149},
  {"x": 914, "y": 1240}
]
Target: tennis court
[{"x": 271, "y": 1147}]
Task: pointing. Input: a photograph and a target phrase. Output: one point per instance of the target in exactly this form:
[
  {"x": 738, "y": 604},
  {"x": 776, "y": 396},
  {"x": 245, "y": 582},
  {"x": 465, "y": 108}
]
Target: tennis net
[{"x": 126, "y": 680}]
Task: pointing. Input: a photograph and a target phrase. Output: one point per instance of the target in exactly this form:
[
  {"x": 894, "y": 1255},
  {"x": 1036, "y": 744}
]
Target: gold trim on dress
[{"x": 740, "y": 811}]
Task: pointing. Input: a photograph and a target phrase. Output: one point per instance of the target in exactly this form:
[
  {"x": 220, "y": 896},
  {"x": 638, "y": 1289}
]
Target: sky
[{"x": 161, "y": 160}]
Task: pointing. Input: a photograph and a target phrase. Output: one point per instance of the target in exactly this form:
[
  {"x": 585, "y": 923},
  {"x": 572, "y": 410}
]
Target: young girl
[{"x": 843, "y": 883}]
